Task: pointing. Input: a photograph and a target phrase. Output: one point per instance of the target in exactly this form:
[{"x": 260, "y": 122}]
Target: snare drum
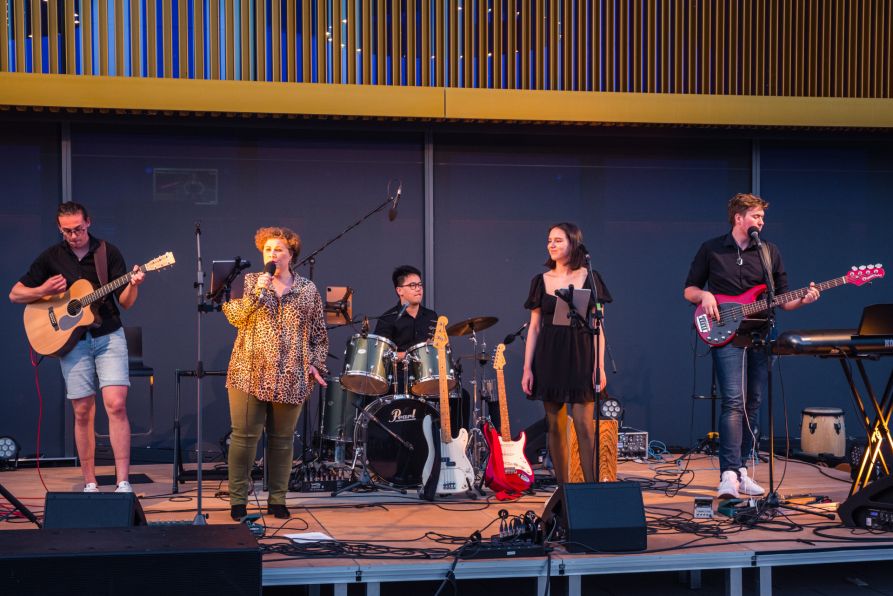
[
  {"x": 367, "y": 364},
  {"x": 339, "y": 414},
  {"x": 396, "y": 463},
  {"x": 822, "y": 430},
  {"x": 423, "y": 370}
]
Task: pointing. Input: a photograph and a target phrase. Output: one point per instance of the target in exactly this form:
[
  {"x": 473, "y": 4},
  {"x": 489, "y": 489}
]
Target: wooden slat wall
[{"x": 822, "y": 48}]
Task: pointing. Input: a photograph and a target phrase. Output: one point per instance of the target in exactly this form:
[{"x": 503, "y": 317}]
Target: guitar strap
[
  {"x": 770, "y": 281},
  {"x": 101, "y": 261}
]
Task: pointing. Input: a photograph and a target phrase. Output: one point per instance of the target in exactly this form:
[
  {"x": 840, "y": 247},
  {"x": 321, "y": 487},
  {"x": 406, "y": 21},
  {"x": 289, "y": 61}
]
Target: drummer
[{"x": 408, "y": 323}]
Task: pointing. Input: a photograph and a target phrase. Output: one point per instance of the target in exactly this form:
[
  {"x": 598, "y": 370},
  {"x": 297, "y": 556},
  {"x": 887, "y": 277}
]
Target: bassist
[
  {"x": 731, "y": 264},
  {"x": 102, "y": 351}
]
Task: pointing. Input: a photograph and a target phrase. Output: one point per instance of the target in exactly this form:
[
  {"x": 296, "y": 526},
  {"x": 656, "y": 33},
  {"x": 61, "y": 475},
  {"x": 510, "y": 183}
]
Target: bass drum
[{"x": 397, "y": 462}]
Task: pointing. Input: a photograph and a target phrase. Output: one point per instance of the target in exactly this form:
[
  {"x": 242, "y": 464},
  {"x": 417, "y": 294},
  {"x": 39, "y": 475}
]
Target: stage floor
[{"x": 373, "y": 525}]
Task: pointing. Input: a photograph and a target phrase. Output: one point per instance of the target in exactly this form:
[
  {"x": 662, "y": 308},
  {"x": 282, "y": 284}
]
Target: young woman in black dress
[{"x": 559, "y": 361}]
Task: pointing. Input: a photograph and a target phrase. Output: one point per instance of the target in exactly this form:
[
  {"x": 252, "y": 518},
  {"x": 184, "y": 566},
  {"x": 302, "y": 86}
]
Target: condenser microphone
[
  {"x": 402, "y": 310},
  {"x": 392, "y": 212},
  {"x": 585, "y": 252}
]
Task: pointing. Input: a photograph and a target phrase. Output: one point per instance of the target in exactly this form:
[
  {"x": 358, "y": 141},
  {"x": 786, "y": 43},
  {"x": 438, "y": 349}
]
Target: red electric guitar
[
  {"x": 734, "y": 309},
  {"x": 507, "y": 469}
]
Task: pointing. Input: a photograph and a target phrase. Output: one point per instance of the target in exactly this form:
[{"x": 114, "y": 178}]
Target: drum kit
[{"x": 371, "y": 416}]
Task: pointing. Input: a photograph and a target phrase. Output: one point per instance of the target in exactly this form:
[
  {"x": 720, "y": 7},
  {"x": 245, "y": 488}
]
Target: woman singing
[
  {"x": 280, "y": 349},
  {"x": 559, "y": 361}
]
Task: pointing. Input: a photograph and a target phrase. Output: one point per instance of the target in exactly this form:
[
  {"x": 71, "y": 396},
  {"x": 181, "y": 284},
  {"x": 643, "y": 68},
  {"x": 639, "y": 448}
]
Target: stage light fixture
[
  {"x": 611, "y": 409},
  {"x": 9, "y": 453}
]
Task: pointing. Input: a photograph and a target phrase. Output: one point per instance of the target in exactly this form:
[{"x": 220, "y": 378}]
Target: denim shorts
[{"x": 103, "y": 358}]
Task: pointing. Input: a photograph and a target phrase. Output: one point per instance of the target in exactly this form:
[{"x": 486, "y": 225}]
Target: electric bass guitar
[
  {"x": 55, "y": 323},
  {"x": 507, "y": 468},
  {"x": 733, "y": 310},
  {"x": 456, "y": 473}
]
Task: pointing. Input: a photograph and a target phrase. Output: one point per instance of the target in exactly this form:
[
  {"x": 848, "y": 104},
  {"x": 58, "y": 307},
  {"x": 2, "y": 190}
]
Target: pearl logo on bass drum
[{"x": 397, "y": 416}]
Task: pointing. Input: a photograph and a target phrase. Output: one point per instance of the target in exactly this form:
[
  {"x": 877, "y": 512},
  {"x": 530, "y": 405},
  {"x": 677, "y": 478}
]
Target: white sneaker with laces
[
  {"x": 728, "y": 485},
  {"x": 747, "y": 486},
  {"x": 91, "y": 487},
  {"x": 124, "y": 487}
]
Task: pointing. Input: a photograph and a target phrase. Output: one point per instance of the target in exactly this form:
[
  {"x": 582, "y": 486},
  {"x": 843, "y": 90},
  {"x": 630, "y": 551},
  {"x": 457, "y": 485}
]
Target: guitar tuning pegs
[
  {"x": 853, "y": 267},
  {"x": 861, "y": 267}
]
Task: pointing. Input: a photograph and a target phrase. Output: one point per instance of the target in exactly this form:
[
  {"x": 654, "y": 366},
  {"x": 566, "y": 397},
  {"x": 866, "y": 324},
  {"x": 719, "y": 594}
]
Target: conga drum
[{"x": 822, "y": 430}]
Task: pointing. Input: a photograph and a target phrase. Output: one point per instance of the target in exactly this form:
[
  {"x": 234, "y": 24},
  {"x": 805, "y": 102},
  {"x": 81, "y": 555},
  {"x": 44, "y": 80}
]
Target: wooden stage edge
[{"x": 676, "y": 541}]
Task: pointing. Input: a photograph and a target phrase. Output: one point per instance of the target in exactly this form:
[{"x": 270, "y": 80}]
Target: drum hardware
[{"x": 364, "y": 479}]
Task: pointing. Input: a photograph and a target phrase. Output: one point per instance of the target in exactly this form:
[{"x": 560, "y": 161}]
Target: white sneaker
[
  {"x": 91, "y": 487},
  {"x": 728, "y": 485},
  {"x": 124, "y": 487},
  {"x": 747, "y": 486}
]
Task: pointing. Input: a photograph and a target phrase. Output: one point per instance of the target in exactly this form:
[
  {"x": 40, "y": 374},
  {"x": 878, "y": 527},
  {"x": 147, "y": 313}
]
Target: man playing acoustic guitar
[
  {"x": 102, "y": 350},
  {"x": 731, "y": 264}
]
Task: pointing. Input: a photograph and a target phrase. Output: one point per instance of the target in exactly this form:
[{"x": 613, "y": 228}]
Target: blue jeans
[
  {"x": 740, "y": 397},
  {"x": 102, "y": 358}
]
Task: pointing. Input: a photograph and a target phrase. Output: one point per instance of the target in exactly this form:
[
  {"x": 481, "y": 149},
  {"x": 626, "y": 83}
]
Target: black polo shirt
[
  {"x": 407, "y": 330},
  {"x": 60, "y": 259},
  {"x": 716, "y": 266}
]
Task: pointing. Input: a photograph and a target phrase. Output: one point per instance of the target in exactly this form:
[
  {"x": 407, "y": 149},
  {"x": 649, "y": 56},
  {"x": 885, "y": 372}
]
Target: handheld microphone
[
  {"x": 754, "y": 233},
  {"x": 402, "y": 310},
  {"x": 269, "y": 269},
  {"x": 512, "y": 336},
  {"x": 392, "y": 212}
]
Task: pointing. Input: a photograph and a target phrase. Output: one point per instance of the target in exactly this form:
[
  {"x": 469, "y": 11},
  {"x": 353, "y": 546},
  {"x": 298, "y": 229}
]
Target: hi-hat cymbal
[{"x": 469, "y": 325}]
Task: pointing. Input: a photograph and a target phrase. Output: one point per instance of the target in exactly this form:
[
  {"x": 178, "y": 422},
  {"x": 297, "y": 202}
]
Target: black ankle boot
[
  {"x": 278, "y": 511},
  {"x": 237, "y": 512}
]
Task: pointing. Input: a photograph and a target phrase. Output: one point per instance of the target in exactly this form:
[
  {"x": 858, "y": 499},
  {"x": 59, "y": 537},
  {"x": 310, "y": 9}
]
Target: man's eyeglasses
[
  {"x": 73, "y": 231},
  {"x": 416, "y": 285}
]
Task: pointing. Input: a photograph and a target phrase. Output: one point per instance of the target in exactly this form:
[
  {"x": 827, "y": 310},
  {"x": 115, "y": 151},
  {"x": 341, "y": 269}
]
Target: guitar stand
[{"x": 18, "y": 506}]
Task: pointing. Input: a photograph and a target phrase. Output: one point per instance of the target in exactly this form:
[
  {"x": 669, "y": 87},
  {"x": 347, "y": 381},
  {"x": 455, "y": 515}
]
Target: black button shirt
[
  {"x": 406, "y": 331},
  {"x": 715, "y": 265},
  {"x": 60, "y": 259}
]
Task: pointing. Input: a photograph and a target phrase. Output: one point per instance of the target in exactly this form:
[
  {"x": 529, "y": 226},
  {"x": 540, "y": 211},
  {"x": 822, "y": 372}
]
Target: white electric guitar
[{"x": 456, "y": 473}]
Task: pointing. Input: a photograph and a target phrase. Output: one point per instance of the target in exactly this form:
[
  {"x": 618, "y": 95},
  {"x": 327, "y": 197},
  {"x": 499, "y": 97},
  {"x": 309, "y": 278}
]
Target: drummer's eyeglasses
[{"x": 416, "y": 285}]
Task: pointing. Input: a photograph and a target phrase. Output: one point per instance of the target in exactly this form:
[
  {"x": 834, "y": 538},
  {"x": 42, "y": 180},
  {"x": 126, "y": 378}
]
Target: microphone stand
[
  {"x": 578, "y": 322},
  {"x": 597, "y": 318},
  {"x": 771, "y": 500},
  {"x": 311, "y": 261}
]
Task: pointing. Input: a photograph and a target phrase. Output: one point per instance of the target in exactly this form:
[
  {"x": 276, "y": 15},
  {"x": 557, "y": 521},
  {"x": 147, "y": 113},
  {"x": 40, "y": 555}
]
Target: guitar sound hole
[{"x": 74, "y": 307}]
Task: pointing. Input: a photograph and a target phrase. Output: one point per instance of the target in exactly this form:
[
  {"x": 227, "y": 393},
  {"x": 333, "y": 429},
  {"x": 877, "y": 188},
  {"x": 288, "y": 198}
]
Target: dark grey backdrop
[{"x": 644, "y": 198}]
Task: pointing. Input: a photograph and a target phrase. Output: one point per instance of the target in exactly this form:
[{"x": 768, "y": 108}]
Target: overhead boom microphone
[
  {"x": 512, "y": 336},
  {"x": 392, "y": 212}
]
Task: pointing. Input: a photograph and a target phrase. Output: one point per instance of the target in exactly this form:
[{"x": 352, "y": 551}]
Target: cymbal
[{"x": 473, "y": 324}]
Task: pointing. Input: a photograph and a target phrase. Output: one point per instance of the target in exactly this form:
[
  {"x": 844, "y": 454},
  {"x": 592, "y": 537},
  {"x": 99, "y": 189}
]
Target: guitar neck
[
  {"x": 446, "y": 432},
  {"x": 103, "y": 291},
  {"x": 763, "y": 305},
  {"x": 505, "y": 428}
]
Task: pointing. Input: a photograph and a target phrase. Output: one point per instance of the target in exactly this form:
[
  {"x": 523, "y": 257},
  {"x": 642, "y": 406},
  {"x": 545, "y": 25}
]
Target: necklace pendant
[{"x": 739, "y": 260}]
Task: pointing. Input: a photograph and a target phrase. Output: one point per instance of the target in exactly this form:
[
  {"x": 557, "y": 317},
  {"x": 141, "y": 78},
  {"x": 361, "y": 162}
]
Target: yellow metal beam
[
  {"x": 244, "y": 97},
  {"x": 131, "y": 93}
]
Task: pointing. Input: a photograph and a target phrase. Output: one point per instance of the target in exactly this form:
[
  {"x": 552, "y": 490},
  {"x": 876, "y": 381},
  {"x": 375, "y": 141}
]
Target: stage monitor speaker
[
  {"x": 92, "y": 510},
  {"x": 598, "y": 517},
  {"x": 871, "y": 507},
  {"x": 138, "y": 561}
]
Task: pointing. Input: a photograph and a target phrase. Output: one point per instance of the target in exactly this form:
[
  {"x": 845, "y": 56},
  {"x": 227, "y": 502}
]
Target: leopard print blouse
[{"x": 278, "y": 340}]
